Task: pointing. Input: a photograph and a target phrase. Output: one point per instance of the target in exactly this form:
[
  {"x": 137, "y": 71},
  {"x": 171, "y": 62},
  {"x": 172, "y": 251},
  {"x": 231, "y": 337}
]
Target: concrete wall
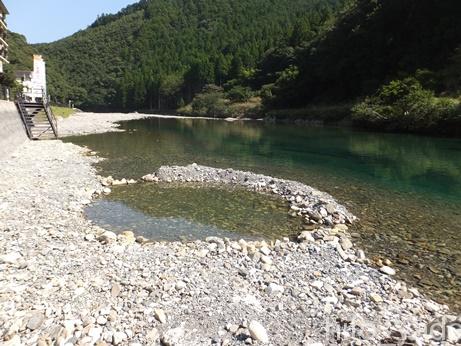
[{"x": 12, "y": 131}]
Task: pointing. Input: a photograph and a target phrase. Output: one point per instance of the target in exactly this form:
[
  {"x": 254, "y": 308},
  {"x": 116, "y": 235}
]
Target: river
[{"x": 405, "y": 189}]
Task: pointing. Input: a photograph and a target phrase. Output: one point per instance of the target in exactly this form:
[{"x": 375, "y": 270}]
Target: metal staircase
[{"x": 38, "y": 118}]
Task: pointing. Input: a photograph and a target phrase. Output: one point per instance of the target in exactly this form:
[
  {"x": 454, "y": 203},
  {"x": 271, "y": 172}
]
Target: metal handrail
[
  {"x": 49, "y": 113},
  {"x": 19, "y": 103}
]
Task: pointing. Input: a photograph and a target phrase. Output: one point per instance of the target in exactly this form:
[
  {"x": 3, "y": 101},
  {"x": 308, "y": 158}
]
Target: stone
[
  {"x": 173, "y": 337},
  {"x": 265, "y": 250},
  {"x": 266, "y": 260},
  {"x": 89, "y": 237},
  {"x": 153, "y": 335},
  {"x": 13, "y": 341},
  {"x": 180, "y": 285},
  {"x": 115, "y": 290},
  {"x": 357, "y": 291},
  {"x": 330, "y": 208},
  {"x": 387, "y": 270},
  {"x": 453, "y": 334},
  {"x": 118, "y": 338},
  {"x": 101, "y": 320},
  {"x": 35, "y": 320},
  {"x": 160, "y": 315},
  {"x": 141, "y": 240},
  {"x": 107, "y": 237},
  {"x": 431, "y": 307},
  {"x": 376, "y": 298},
  {"x": 95, "y": 333},
  {"x": 232, "y": 328},
  {"x": 341, "y": 227},
  {"x": 258, "y": 332},
  {"x": 127, "y": 237},
  {"x": 346, "y": 244},
  {"x": 317, "y": 284},
  {"x": 273, "y": 289},
  {"x": 306, "y": 236},
  {"x": 10, "y": 258}
]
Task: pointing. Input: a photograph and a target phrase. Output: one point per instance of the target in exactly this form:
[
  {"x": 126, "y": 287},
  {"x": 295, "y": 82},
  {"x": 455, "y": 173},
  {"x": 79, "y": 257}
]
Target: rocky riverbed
[
  {"x": 316, "y": 207},
  {"x": 89, "y": 123},
  {"x": 64, "y": 281}
]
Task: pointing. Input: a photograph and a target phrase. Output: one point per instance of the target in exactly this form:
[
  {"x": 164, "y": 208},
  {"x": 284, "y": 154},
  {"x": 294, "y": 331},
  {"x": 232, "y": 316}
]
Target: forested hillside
[
  {"x": 376, "y": 41},
  {"x": 159, "y": 53},
  {"x": 401, "y": 57},
  {"x": 20, "y": 52}
]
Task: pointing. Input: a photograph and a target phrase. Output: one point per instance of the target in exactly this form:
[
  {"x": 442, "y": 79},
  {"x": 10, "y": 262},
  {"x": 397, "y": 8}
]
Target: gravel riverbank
[
  {"x": 66, "y": 282},
  {"x": 89, "y": 123}
]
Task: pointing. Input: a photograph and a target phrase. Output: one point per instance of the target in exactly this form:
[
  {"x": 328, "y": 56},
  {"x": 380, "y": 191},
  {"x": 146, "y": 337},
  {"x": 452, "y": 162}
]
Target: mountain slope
[
  {"x": 20, "y": 52},
  {"x": 168, "y": 48},
  {"x": 373, "y": 43}
]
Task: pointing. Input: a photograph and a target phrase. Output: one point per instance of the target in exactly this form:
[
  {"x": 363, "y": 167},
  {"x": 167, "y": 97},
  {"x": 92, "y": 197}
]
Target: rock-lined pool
[
  {"x": 405, "y": 189},
  {"x": 190, "y": 212}
]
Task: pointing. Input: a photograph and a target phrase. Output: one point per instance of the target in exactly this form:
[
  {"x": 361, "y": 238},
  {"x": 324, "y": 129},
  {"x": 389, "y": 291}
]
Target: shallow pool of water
[
  {"x": 405, "y": 189},
  {"x": 165, "y": 212}
]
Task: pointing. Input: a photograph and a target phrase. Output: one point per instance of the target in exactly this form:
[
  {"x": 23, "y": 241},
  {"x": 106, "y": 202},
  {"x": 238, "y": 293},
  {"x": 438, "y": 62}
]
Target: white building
[
  {"x": 3, "y": 33},
  {"x": 34, "y": 82}
]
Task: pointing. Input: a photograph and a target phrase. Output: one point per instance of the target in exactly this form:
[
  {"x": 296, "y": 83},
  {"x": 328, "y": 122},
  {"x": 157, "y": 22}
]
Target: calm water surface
[{"x": 405, "y": 189}]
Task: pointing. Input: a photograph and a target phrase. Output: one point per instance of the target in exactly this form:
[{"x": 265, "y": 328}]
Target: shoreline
[
  {"x": 67, "y": 281},
  {"x": 83, "y": 123}
]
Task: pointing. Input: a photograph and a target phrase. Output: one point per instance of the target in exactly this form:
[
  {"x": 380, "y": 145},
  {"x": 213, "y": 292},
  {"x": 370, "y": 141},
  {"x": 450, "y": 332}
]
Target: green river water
[{"x": 405, "y": 189}]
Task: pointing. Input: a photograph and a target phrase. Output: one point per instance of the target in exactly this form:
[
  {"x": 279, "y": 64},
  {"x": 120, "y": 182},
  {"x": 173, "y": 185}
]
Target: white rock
[
  {"x": 10, "y": 258},
  {"x": 306, "y": 236},
  {"x": 317, "y": 284},
  {"x": 376, "y": 298},
  {"x": 95, "y": 333},
  {"x": 173, "y": 337},
  {"x": 453, "y": 334},
  {"x": 346, "y": 244},
  {"x": 14, "y": 341},
  {"x": 387, "y": 270},
  {"x": 160, "y": 315},
  {"x": 101, "y": 320},
  {"x": 273, "y": 288},
  {"x": 258, "y": 332},
  {"x": 180, "y": 285},
  {"x": 118, "y": 338},
  {"x": 266, "y": 259},
  {"x": 265, "y": 250}
]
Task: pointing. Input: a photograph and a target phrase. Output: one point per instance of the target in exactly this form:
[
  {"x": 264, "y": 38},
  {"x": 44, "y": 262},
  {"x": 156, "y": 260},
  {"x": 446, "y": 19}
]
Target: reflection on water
[
  {"x": 164, "y": 212},
  {"x": 405, "y": 189}
]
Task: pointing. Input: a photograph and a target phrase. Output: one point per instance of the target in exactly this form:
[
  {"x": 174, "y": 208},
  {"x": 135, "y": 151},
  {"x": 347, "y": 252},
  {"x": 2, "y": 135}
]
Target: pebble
[
  {"x": 387, "y": 270},
  {"x": 160, "y": 315},
  {"x": 118, "y": 338},
  {"x": 115, "y": 290},
  {"x": 35, "y": 320},
  {"x": 376, "y": 298},
  {"x": 173, "y": 337},
  {"x": 258, "y": 332},
  {"x": 274, "y": 289}
]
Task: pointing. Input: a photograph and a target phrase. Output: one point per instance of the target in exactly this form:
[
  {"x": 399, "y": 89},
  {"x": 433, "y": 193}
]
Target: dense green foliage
[
  {"x": 375, "y": 41},
  {"x": 20, "y": 52},
  {"x": 406, "y": 105},
  {"x": 216, "y": 102},
  {"x": 20, "y": 57},
  {"x": 160, "y": 53}
]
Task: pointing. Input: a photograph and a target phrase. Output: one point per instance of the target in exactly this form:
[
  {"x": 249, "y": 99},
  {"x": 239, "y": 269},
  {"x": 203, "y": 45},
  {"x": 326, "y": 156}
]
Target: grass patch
[{"x": 63, "y": 112}]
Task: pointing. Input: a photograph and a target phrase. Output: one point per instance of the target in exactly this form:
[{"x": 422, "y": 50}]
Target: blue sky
[{"x": 50, "y": 20}]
